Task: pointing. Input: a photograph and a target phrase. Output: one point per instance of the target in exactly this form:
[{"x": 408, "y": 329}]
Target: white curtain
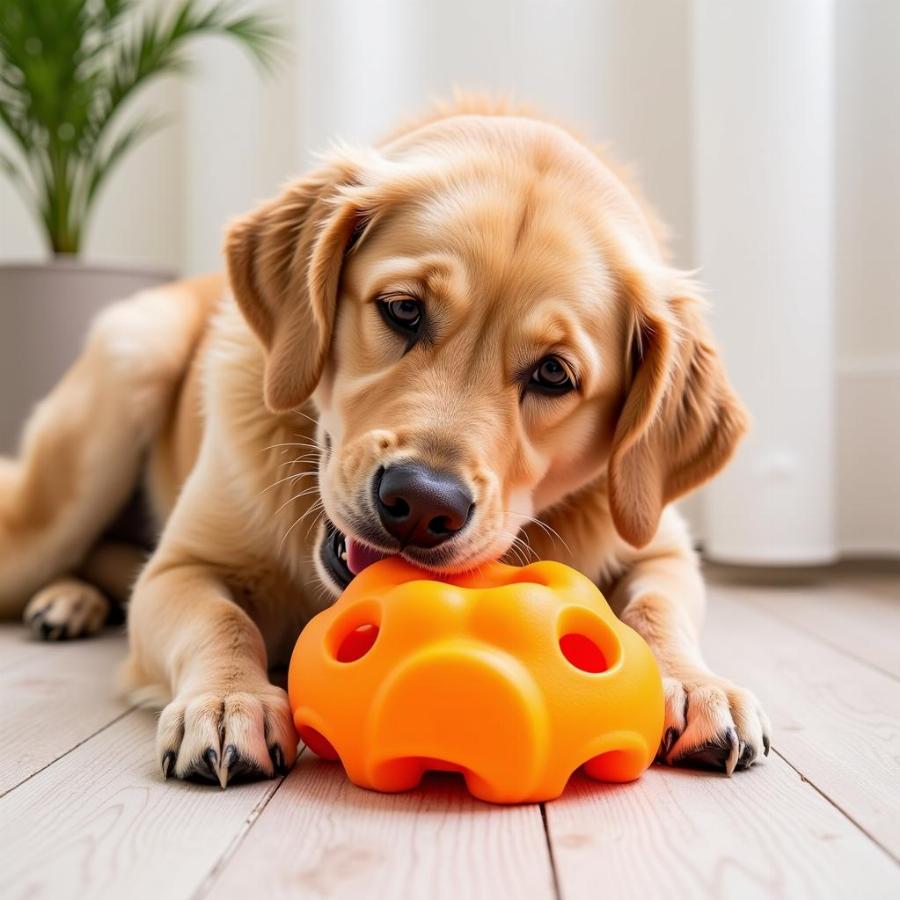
[{"x": 764, "y": 176}]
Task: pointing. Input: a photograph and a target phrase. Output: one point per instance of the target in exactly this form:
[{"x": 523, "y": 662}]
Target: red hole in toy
[
  {"x": 583, "y": 653},
  {"x": 316, "y": 742},
  {"x": 357, "y": 644}
]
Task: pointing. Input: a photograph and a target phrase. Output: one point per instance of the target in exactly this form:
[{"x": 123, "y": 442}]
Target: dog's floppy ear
[
  {"x": 284, "y": 264},
  {"x": 681, "y": 420}
]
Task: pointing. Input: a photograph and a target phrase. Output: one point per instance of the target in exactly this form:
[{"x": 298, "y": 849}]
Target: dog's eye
[
  {"x": 551, "y": 376},
  {"x": 402, "y": 313}
]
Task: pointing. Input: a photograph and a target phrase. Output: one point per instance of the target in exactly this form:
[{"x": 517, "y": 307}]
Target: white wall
[
  {"x": 618, "y": 68},
  {"x": 867, "y": 251},
  {"x": 763, "y": 114}
]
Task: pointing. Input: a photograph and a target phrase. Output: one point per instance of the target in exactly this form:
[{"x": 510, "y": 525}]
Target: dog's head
[{"x": 483, "y": 318}]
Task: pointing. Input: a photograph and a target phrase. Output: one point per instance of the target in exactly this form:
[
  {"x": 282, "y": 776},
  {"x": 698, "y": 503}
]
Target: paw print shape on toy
[{"x": 514, "y": 677}]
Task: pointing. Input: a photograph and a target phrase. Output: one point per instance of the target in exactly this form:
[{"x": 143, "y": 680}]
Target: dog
[{"x": 464, "y": 344}]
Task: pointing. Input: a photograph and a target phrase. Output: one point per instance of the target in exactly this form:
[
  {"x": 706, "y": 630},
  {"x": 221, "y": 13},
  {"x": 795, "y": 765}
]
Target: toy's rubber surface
[{"x": 513, "y": 676}]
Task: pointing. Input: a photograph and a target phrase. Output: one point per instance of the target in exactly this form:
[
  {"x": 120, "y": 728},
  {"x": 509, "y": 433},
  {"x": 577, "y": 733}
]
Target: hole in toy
[
  {"x": 316, "y": 742},
  {"x": 587, "y": 642},
  {"x": 625, "y": 764},
  {"x": 582, "y": 653},
  {"x": 357, "y": 643},
  {"x": 407, "y": 772}
]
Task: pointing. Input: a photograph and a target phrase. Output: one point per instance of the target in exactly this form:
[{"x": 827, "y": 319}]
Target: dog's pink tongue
[{"x": 359, "y": 556}]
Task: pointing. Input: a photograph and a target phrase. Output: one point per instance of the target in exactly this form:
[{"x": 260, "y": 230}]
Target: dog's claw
[
  {"x": 50, "y": 632},
  {"x": 671, "y": 737},
  {"x": 721, "y": 754},
  {"x": 236, "y": 767},
  {"x": 767, "y": 745},
  {"x": 733, "y": 751},
  {"x": 278, "y": 759},
  {"x": 747, "y": 756},
  {"x": 168, "y": 763},
  {"x": 211, "y": 758},
  {"x": 229, "y": 757},
  {"x": 668, "y": 742}
]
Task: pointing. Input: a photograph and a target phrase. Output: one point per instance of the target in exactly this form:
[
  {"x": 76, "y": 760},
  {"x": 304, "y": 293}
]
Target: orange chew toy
[{"x": 514, "y": 677}]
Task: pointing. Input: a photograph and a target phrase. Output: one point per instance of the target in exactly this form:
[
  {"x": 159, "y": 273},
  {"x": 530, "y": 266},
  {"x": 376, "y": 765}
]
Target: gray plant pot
[{"x": 45, "y": 311}]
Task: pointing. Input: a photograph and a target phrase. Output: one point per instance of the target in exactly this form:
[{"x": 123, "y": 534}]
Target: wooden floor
[{"x": 84, "y": 812}]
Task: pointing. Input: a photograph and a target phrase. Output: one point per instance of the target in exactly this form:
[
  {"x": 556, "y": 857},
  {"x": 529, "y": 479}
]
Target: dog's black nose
[{"x": 420, "y": 506}]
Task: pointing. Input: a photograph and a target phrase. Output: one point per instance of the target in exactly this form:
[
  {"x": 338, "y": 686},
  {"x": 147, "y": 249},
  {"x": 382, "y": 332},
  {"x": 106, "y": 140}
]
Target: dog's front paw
[
  {"x": 712, "y": 724},
  {"x": 222, "y": 736},
  {"x": 66, "y": 608}
]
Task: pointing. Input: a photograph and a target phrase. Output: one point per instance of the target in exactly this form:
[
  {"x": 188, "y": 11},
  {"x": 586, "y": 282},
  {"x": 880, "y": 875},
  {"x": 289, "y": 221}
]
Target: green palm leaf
[{"x": 67, "y": 70}]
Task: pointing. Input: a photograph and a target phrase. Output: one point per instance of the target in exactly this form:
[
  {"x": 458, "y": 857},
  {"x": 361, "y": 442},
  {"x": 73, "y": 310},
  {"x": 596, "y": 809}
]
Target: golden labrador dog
[{"x": 463, "y": 345}]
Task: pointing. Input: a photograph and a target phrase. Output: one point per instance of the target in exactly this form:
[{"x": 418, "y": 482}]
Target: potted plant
[{"x": 68, "y": 69}]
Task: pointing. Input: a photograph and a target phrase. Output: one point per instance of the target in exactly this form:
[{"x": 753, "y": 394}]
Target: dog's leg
[
  {"x": 710, "y": 722},
  {"x": 80, "y": 605},
  {"x": 83, "y": 446},
  {"x": 113, "y": 567},
  {"x": 192, "y": 643},
  {"x": 66, "y": 608}
]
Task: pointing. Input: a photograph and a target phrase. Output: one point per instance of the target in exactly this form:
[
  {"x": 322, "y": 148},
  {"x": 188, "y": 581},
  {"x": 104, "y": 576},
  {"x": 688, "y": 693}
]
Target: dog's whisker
[
  {"x": 296, "y": 476},
  {"x": 311, "y": 461},
  {"x": 287, "y": 533},
  {"x": 296, "y": 522},
  {"x": 524, "y": 547},
  {"x": 315, "y": 523},
  {"x": 518, "y": 548},
  {"x": 300, "y": 460},
  {"x": 314, "y": 507},
  {"x": 522, "y": 550},
  {"x": 309, "y": 437},
  {"x": 305, "y": 472},
  {"x": 308, "y": 451},
  {"x": 316, "y": 452},
  {"x": 547, "y": 529},
  {"x": 306, "y": 416},
  {"x": 527, "y": 540},
  {"x": 513, "y": 549},
  {"x": 293, "y": 497},
  {"x": 304, "y": 444}
]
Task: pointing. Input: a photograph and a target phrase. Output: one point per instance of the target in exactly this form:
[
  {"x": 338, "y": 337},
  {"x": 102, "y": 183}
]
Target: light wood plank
[
  {"x": 53, "y": 697},
  {"x": 322, "y": 837},
  {"x": 16, "y": 645},
  {"x": 102, "y": 823},
  {"x": 674, "y": 833},
  {"x": 835, "y": 719},
  {"x": 855, "y": 614}
]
